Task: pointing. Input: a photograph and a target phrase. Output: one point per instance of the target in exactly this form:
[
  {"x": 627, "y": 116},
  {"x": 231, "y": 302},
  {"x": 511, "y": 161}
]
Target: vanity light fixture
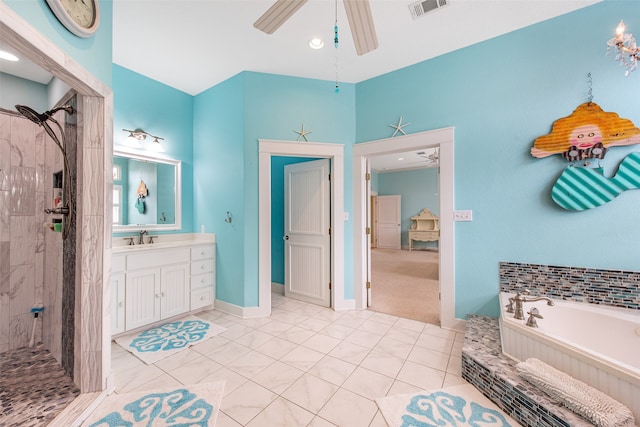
[
  {"x": 137, "y": 136},
  {"x": 625, "y": 47}
]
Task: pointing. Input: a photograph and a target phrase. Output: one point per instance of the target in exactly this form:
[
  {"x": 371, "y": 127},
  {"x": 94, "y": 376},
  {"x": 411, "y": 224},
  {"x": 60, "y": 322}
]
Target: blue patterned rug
[
  {"x": 194, "y": 405},
  {"x": 449, "y": 407},
  {"x": 169, "y": 338}
]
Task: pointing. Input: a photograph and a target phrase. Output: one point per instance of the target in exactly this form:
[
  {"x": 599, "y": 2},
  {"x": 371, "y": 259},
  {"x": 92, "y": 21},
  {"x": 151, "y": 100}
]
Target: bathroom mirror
[{"x": 146, "y": 192}]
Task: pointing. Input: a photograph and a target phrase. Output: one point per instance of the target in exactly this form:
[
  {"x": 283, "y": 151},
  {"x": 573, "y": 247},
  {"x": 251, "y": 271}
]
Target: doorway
[
  {"x": 443, "y": 139},
  {"x": 334, "y": 152}
]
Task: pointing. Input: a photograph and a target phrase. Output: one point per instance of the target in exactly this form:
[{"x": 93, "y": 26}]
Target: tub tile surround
[
  {"x": 495, "y": 375},
  {"x": 617, "y": 288}
]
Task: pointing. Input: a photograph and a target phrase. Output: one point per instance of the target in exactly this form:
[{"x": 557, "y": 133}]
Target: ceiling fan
[{"x": 358, "y": 14}]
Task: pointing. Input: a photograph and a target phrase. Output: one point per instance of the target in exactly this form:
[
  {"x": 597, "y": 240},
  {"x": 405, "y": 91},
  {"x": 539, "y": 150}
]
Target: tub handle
[{"x": 533, "y": 314}]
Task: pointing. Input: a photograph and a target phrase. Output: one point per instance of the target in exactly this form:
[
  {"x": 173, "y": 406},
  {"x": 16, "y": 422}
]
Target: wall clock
[{"x": 81, "y": 17}]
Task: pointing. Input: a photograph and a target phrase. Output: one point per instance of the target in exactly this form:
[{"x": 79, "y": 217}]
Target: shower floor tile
[{"x": 33, "y": 387}]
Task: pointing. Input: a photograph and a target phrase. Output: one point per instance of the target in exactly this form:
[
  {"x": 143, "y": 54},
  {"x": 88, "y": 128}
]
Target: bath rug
[
  {"x": 169, "y": 338},
  {"x": 194, "y": 405},
  {"x": 455, "y": 406},
  {"x": 581, "y": 398}
]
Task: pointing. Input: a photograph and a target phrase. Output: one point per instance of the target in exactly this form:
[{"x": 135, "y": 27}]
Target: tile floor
[{"x": 305, "y": 365}]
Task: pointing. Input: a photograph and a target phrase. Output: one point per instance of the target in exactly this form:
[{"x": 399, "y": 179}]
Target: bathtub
[{"x": 598, "y": 345}]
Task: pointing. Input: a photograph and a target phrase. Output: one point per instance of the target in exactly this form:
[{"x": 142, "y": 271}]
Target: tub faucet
[
  {"x": 142, "y": 233},
  {"x": 519, "y": 299}
]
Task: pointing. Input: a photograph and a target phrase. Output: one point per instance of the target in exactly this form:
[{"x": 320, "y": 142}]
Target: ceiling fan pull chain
[{"x": 335, "y": 43}]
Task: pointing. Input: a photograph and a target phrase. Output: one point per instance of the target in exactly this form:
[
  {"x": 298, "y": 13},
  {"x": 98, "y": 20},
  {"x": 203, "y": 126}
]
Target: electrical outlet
[{"x": 466, "y": 215}]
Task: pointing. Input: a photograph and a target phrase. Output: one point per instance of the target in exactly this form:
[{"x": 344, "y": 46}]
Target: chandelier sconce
[
  {"x": 626, "y": 50},
  {"x": 137, "y": 138}
]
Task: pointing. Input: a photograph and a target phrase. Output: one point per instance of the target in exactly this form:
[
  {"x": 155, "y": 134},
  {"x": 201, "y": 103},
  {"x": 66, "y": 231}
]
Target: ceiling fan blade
[
  {"x": 277, "y": 15},
  {"x": 361, "y": 24}
]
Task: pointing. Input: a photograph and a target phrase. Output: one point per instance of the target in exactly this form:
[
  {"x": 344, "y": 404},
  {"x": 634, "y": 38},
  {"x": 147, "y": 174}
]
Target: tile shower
[{"x": 31, "y": 256}]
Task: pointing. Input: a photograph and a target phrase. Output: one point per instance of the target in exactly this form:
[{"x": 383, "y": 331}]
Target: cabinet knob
[
  {"x": 203, "y": 253},
  {"x": 203, "y": 280},
  {"x": 157, "y": 295},
  {"x": 120, "y": 304},
  {"x": 202, "y": 267}
]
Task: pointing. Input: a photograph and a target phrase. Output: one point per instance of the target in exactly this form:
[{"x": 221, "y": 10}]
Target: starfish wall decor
[
  {"x": 302, "y": 133},
  {"x": 398, "y": 127}
]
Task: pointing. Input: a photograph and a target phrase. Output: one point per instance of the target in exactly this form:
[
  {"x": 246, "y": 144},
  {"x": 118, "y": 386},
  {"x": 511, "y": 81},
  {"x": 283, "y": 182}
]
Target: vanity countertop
[{"x": 163, "y": 241}]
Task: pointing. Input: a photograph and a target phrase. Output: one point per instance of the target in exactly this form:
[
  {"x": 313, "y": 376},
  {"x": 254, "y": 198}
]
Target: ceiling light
[
  {"x": 8, "y": 56},
  {"x": 316, "y": 43},
  {"x": 400, "y": 158},
  {"x": 626, "y": 50}
]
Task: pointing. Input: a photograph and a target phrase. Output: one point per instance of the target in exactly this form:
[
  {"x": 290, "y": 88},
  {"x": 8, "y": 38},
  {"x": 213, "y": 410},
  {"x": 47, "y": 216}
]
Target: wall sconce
[
  {"x": 626, "y": 50},
  {"x": 137, "y": 137}
]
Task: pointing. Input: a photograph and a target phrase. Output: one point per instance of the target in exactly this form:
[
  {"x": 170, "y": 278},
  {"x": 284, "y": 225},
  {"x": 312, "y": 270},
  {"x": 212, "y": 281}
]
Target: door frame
[
  {"x": 444, "y": 139},
  {"x": 335, "y": 152}
]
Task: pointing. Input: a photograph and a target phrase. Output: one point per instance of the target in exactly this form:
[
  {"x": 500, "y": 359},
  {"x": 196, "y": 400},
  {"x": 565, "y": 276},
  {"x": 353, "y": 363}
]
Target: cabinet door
[
  {"x": 174, "y": 290},
  {"x": 117, "y": 303},
  {"x": 142, "y": 297}
]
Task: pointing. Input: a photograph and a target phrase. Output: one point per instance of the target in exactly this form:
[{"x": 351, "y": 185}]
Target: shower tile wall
[{"x": 25, "y": 185}]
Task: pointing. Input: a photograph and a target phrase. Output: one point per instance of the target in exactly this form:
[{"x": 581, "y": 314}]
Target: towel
[{"x": 597, "y": 407}]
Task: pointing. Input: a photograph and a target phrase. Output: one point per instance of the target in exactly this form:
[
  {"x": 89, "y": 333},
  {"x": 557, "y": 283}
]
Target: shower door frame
[{"x": 92, "y": 350}]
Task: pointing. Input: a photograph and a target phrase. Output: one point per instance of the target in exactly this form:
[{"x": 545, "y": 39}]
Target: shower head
[
  {"x": 38, "y": 118},
  {"x": 31, "y": 114}
]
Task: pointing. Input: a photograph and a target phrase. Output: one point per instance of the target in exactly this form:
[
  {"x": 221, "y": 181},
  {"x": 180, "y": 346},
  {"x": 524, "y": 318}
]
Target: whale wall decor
[{"x": 582, "y": 138}]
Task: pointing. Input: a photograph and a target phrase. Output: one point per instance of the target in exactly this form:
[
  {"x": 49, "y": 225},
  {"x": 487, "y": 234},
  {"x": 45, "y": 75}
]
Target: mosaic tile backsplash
[{"x": 616, "y": 288}]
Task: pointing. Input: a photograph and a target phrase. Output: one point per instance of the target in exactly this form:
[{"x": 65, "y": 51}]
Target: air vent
[{"x": 420, "y": 8}]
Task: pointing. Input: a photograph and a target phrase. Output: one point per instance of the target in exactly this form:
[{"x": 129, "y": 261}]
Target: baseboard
[
  {"x": 345, "y": 304},
  {"x": 277, "y": 288},
  {"x": 241, "y": 312}
]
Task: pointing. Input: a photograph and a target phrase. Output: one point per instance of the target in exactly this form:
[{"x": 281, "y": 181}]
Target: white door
[
  {"x": 388, "y": 221},
  {"x": 307, "y": 239}
]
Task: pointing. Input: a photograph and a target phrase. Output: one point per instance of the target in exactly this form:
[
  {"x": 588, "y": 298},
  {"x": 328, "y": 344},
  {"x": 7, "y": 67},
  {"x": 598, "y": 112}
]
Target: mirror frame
[{"x": 177, "y": 225}]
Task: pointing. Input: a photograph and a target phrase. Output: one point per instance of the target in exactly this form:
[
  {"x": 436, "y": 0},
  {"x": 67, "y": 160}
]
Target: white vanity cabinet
[
  {"x": 117, "y": 294},
  {"x": 150, "y": 285},
  {"x": 203, "y": 276}
]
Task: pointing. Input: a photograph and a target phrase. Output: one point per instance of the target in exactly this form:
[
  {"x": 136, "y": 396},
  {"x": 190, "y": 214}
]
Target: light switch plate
[{"x": 466, "y": 215}]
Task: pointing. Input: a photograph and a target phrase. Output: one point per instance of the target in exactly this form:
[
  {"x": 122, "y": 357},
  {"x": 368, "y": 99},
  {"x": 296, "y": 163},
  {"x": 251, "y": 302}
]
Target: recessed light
[
  {"x": 316, "y": 43},
  {"x": 400, "y": 158},
  {"x": 8, "y": 56}
]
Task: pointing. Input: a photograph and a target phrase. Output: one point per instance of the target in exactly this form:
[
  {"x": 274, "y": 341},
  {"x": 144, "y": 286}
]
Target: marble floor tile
[
  {"x": 247, "y": 401},
  {"x": 282, "y": 413},
  {"x": 310, "y": 392},
  {"x": 334, "y": 370},
  {"x": 278, "y": 377},
  {"x": 383, "y": 363},
  {"x": 421, "y": 376},
  {"x": 368, "y": 383},
  {"x": 321, "y": 343},
  {"x": 302, "y": 358},
  {"x": 347, "y": 409},
  {"x": 251, "y": 364},
  {"x": 306, "y": 365}
]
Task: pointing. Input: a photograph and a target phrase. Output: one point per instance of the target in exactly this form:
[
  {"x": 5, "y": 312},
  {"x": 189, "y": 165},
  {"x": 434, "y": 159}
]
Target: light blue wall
[
  {"x": 229, "y": 119},
  {"x": 418, "y": 189},
  {"x": 93, "y": 53},
  {"x": 500, "y": 95},
  {"x": 14, "y": 90},
  {"x": 219, "y": 181},
  {"x": 140, "y": 102},
  {"x": 275, "y": 106}
]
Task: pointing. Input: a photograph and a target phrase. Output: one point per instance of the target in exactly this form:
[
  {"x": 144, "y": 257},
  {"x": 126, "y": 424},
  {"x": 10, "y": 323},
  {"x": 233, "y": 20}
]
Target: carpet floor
[{"x": 406, "y": 284}]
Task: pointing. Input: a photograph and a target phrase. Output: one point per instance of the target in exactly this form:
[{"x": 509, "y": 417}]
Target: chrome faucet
[
  {"x": 142, "y": 233},
  {"x": 519, "y": 299}
]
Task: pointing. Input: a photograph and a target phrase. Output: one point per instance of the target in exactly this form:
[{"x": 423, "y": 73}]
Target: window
[{"x": 117, "y": 202}]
